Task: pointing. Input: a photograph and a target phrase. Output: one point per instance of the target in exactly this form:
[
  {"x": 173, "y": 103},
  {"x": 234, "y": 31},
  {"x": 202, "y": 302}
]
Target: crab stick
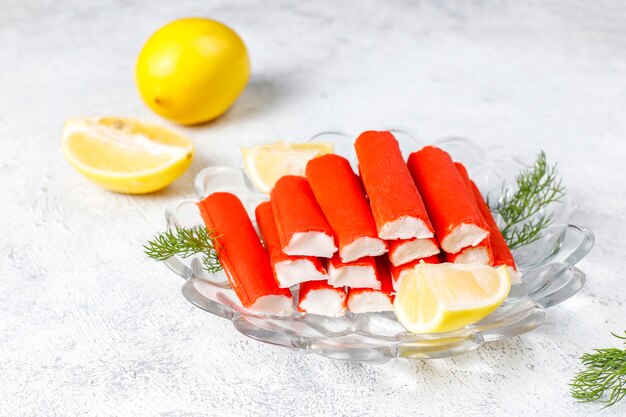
[
  {"x": 302, "y": 227},
  {"x": 340, "y": 195},
  {"x": 398, "y": 272},
  {"x": 318, "y": 297},
  {"x": 242, "y": 256},
  {"x": 501, "y": 253},
  {"x": 356, "y": 274},
  {"x": 452, "y": 208},
  {"x": 479, "y": 254},
  {"x": 405, "y": 251},
  {"x": 367, "y": 300},
  {"x": 396, "y": 204},
  {"x": 288, "y": 270}
]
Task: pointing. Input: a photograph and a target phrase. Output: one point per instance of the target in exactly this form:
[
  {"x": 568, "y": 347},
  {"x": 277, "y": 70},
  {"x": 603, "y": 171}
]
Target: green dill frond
[
  {"x": 186, "y": 242},
  {"x": 537, "y": 187},
  {"x": 604, "y": 376}
]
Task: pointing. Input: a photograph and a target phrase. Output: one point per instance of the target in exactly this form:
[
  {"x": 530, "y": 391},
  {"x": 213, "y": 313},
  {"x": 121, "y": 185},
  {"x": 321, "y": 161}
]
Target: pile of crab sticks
[{"x": 344, "y": 240}]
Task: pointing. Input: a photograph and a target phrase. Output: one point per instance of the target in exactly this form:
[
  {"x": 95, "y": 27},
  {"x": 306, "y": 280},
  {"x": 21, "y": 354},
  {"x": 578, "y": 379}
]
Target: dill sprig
[
  {"x": 605, "y": 375},
  {"x": 186, "y": 242},
  {"x": 537, "y": 187}
]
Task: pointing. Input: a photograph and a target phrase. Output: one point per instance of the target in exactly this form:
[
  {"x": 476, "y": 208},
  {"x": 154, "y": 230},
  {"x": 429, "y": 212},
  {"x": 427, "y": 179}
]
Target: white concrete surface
[{"x": 89, "y": 326}]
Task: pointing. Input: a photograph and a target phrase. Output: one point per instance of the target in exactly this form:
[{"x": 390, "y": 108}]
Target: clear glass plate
[{"x": 549, "y": 274}]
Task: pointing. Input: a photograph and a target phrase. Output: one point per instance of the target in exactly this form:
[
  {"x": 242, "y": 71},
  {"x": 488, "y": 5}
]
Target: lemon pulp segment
[
  {"x": 436, "y": 298},
  {"x": 125, "y": 155},
  {"x": 266, "y": 164}
]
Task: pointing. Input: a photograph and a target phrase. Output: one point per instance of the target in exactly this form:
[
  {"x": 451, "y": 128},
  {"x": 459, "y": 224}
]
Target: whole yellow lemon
[{"x": 192, "y": 70}]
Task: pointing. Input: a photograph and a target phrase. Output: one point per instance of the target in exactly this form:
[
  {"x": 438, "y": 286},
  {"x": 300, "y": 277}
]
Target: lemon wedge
[
  {"x": 266, "y": 164},
  {"x": 125, "y": 155},
  {"x": 436, "y": 298}
]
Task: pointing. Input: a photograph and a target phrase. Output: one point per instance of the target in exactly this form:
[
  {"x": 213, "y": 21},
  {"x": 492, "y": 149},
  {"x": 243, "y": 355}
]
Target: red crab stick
[
  {"x": 500, "y": 250},
  {"x": 340, "y": 195},
  {"x": 302, "y": 227},
  {"x": 356, "y": 274},
  {"x": 396, "y": 204},
  {"x": 398, "y": 272},
  {"x": 288, "y": 270},
  {"x": 405, "y": 251},
  {"x": 242, "y": 256},
  {"x": 452, "y": 208},
  {"x": 367, "y": 300},
  {"x": 481, "y": 253},
  {"x": 318, "y": 297}
]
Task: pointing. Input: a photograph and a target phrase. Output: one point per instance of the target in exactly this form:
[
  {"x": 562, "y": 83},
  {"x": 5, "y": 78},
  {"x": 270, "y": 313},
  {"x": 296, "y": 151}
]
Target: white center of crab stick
[
  {"x": 324, "y": 302},
  {"x": 413, "y": 249},
  {"x": 516, "y": 276},
  {"x": 477, "y": 255},
  {"x": 276, "y": 305},
  {"x": 462, "y": 236},
  {"x": 290, "y": 273},
  {"x": 311, "y": 244},
  {"x": 397, "y": 280},
  {"x": 362, "y": 247},
  {"x": 405, "y": 227},
  {"x": 356, "y": 276},
  {"x": 369, "y": 302}
]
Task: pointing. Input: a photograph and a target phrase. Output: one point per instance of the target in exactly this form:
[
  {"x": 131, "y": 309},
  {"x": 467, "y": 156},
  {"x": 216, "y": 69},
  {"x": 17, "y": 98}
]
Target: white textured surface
[{"x": 89, "y": 326}]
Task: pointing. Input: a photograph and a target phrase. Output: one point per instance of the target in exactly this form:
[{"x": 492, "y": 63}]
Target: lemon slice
[
  {"x": 125, "y": 155},
  {"x": 265, "y": 164},
  {"x": 436, "y": 298}
]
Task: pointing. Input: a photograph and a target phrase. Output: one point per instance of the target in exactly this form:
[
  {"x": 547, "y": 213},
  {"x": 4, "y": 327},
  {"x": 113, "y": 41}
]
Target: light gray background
[{"x": 89, "y": 326}]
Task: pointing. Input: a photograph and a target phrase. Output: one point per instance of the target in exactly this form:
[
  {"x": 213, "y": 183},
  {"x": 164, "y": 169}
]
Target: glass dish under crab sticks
[{"x": 548, "y": 267}]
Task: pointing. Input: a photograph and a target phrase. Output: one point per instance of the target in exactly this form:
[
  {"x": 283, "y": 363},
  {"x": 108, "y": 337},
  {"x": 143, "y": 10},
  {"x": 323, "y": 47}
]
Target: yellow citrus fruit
[
  {"x": 265, "y": 164},
  {"x": 125, "y": 155},
  {"x": 436, "y": 298},
  {"x": 192, "y": 70}
]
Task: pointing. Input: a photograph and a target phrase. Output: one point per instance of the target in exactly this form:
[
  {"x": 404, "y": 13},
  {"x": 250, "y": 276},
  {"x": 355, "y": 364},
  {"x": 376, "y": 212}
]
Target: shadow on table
[
  {"x": 514, "y": 352},
  {"x": 263, "y": 94}
]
